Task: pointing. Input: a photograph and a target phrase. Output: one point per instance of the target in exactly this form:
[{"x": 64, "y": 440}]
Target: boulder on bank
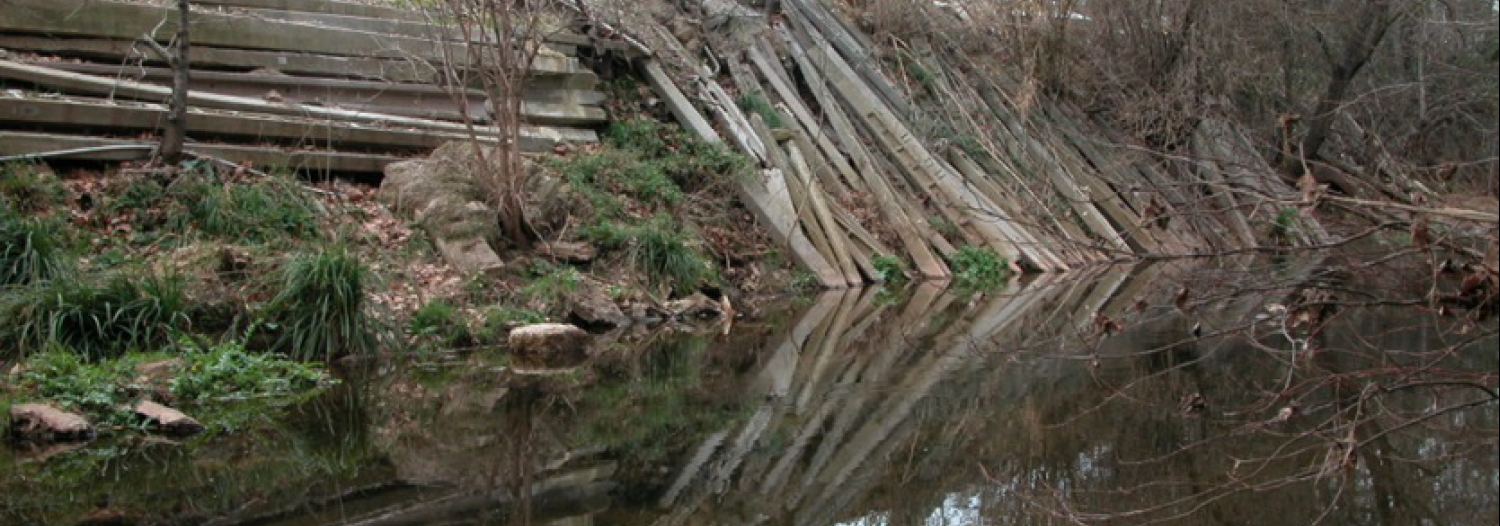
[
  {"x": 444, "y": 195},
  {"x": 548, "y": 345},
  {"x": 44, "y": 423},
  {"x": 591, "y": 306},
  {"x": 166, "y": 419}
]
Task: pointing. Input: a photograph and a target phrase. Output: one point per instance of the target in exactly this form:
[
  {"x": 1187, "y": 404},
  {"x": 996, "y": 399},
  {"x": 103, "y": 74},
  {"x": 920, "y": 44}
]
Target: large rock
[
  {"x": 44, "y": 423},
  {"x": 591, "y": 306},
  {"x": 166, "y": 419},
  {"x": 443, "y": 193},
  {"x": 548, "y": 345}
]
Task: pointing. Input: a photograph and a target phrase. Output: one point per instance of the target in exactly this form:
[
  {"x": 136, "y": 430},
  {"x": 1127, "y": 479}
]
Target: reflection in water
[{"x": 1062, "y": 400}]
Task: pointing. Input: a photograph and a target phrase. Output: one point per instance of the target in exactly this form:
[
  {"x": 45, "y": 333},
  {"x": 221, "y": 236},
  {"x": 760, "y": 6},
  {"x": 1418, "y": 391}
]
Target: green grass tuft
[
  {"x": 320, "y": 308},
  {"x": 96, "y": 321},
  {"x": 755, "y": 103},
  {"x": 658, "y": 247},
  {"x": 30, "y": 189},
  {"x": 438, "y": 323},
  {"x": 31, "y": 250}
]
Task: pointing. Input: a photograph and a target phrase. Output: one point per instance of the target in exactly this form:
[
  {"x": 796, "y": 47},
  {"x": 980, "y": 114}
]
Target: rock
[
  {"x": 166, "y": 419},
  {"x": 548, "y": 345},
  {"x": 158, "y": 372},
  {"x": 696, "y": 306},
  {"x": 43, "y": 423},
  {"x": 644, "y": 314},
  {"x": 591, "y": 305},
  {"x": 470, "y": 256},
  {"x": 567, "y": 251}
]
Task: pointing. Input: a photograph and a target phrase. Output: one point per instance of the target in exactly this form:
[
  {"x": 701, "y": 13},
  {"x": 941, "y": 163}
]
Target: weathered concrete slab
[
  {"x": 332, "y": 7},
  {"x": 122, "y": 116},
  {"x": 107, "y": 19},
  {"x": 546, "y": 71},
  {"x": 304, "y": 161},
  {"x": 88, "y": 84}
]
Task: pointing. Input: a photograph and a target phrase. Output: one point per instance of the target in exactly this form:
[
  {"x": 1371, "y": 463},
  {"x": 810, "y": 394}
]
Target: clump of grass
[
  {"x": 978, "y": 267},
  {"x": 757, "y": 104},
  {"x": 29, "y": 189},
  {"x": 551, "y": 282},
  {"x": 889, "y": 267},
  {"x": 500, "y": 319},
  {"x": 439, "y": 324},
  {"x": 658, "y": 247},
  {"x": 320, "y": 308},
  {"x": 92, "y": 319},
  {"x": 31, "y": 249},
  {"x": 256, "y": 211}
]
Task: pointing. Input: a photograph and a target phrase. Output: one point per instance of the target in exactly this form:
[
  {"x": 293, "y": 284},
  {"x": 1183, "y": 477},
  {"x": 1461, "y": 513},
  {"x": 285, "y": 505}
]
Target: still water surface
[{"x": 1060, "y": 400}]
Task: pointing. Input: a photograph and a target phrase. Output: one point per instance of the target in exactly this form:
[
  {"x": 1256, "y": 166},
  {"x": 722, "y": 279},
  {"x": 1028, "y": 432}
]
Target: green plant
[
  {"x": 889, "y": 267},
  {"x": 256, "y": 211},
  {"x": 31, "y": 249},
  {"x": 65, "y": 378},
  {"x": 95, "y": 320},
  {"x": 978, "y": 267},
  {"x": 29, "y": 189},
  {"x": 804, "y": 282},
  {"x": 228, "y": 371},
  {"x": 1286, "y": 225},
  {"x": 755, "y": 103},
  {"x": 320, "y": 308},
  {"x": 439, "y": 322}
]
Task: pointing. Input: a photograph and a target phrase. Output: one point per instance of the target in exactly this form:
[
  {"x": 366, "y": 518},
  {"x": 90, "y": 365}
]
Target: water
[{"x": 1062, "y": 400}]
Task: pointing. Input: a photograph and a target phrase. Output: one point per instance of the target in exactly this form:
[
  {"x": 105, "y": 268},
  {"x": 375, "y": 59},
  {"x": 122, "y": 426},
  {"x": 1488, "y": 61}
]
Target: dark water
[{"x": 1062, "y": 400}]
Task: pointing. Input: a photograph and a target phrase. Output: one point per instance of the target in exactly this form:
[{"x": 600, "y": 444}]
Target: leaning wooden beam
[
  {"x": 837, "y": 241},
  {"x": 907, "y": 151},
  {"x": 23, "y": 143},
  {"x": 796, "y": 193},
  {"x": 778, "y": 78},
  {"x": 753, "y": 191},
  {"x": 1037, "y": 253},
  {"x": 88, "y": 84},
  {"x": 1081, "y": 204},
  {"x": 855, "y": 51},
  {"x": 908, "y": 227}
]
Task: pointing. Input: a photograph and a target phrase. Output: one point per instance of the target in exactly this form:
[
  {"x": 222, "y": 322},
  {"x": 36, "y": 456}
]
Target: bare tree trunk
[
  {"x": 175, "y": 133},
  {"x": 1374, "y": 20}
]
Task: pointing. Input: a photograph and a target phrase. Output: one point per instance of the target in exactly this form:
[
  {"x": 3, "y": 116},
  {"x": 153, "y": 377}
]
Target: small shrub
[
  {"x": 96, "y": 321},
  {"x": 29, "y": 189},
  {"x": 31, "y": 250},
  {"x": 889, "y": 267},
  {"x": 978, "y": 267},
  {"x": 437, "y": 322},
  {"x": 320, "y": 308}
]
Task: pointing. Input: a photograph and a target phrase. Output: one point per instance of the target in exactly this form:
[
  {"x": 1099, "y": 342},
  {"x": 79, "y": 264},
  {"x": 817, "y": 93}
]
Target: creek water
[{"x": 1168, "y": 394}]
